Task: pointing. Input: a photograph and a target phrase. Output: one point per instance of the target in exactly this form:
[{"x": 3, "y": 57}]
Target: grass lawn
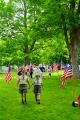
[{"x": 56, "y": 103}]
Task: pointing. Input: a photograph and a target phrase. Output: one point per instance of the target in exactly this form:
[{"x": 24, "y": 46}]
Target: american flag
[
  {"x": 67, "y": 73},
  {"x": 8, "y": 76},
  {"x": 55, "y": 67},
  {"x": 62, "y": 66}
]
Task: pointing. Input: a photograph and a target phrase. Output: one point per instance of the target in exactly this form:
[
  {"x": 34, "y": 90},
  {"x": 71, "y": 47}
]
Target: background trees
[
  {"x": 64, "y": 17},
  {"x": 40, "y": 31}
]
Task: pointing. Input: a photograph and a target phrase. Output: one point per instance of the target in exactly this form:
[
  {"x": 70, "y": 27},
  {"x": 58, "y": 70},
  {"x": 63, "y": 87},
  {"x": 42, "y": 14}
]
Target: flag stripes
[
  {"x": 55, "y": 67},
  {"x": 8, "y": 76},
  {"x": 67, "y": 73}
]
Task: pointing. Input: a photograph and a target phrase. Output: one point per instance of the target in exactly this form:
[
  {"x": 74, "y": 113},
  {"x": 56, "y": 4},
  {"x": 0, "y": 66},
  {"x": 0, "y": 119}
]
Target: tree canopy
[{"x": 40, "y": 31}]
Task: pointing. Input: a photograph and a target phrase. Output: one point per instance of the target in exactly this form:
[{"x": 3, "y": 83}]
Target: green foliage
[
  {"x": 36, "y": 35},
  {"x": 49, "y": 51}
]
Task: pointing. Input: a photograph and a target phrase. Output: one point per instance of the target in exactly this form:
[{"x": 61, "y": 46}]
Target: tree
[
  {"x": 28, "y": 28},
  {"x": 28, "y": 23},
  {"x": 73, "y": 39},
  {"x": 64, "y": 17},
  {"x": 20, "y": 25}
]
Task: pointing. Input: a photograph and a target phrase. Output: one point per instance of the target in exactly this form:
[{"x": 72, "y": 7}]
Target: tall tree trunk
[
  {"x": 26, "y": 60},
  {"x": 25, "y": 14},
  {"x": 26, "y": 48},
  {"x": 26, "y": 54},
  {"x": 74, "y": 42},
  {"x": 74, "y": 53}
]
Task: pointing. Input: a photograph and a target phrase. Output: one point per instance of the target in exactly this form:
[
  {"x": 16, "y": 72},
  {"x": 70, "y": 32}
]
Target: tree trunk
[
  {"x": 74, "y": 43},
  {"x": 26, "y": 54},
  {"x": 74, "y": 53},
  {"x": 26, "y": 60}
]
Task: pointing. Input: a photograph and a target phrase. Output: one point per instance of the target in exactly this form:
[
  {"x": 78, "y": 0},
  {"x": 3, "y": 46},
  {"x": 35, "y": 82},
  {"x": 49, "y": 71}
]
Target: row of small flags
[{"x": 67, "y": 72}]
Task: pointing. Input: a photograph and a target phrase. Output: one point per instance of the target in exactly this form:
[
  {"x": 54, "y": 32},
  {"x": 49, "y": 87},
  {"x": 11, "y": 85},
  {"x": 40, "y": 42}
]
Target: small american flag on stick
[
  {"x": 8, "y": 76},
  {"x": 67, "y": 73},
  {"x": 55, "y": 67}
]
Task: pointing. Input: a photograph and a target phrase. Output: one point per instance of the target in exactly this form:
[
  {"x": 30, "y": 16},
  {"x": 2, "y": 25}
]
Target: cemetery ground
[{"x": 56, "y": 103}]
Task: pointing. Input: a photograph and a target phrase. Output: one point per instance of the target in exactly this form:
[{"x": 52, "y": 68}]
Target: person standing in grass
[
  {"x": 20, "y": 71},
  {"x": 37, "y": 82},
  {"x": 49, "y": 71},
  {"x": 31, "y": 71},
  {"x": 22, "y": 82}
]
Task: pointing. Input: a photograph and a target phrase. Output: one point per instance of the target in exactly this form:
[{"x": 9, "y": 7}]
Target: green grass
[{"x": 55, "y": 102}]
